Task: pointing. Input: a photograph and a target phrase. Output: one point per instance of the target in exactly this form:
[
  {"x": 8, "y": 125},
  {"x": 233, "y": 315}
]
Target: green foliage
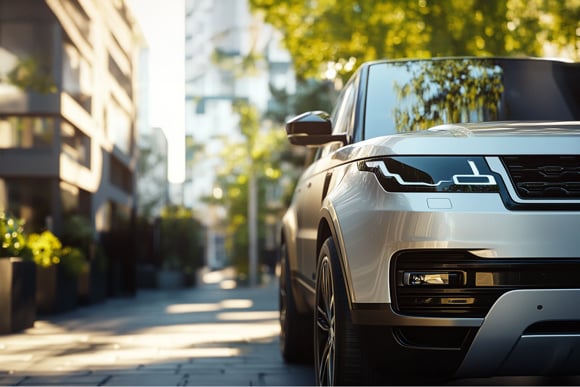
[
  {"x": 78, "y": 237},
  {"x": 311, "y": 94},
  {"x": 13, "y": 240},
  {"x": 30, "y": 75},
  {"x": 181, "y": 239},
  {"x": 260, "y": 154},
  {"x": 73, "y": 260},
  {"x": 335, "y": 35},
  {"x": 77, "y": 231},
  {"x": 47, "y": 250}
]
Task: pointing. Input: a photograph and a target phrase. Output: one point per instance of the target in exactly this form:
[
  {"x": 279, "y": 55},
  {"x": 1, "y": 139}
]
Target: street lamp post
[{"x": 253, "y": 228}]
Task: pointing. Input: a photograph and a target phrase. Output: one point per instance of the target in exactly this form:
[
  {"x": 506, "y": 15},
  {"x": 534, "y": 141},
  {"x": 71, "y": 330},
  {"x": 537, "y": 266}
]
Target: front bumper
[{"x": 527, "y": 332}]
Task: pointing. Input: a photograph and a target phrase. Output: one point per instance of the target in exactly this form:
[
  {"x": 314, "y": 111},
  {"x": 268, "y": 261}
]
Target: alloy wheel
[
  {"x": 325, "y": 325},
  {"x": 282, "y": 303}
]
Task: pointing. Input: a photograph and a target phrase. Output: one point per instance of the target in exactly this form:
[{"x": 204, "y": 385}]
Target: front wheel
[{"x": 338, "y": 348}]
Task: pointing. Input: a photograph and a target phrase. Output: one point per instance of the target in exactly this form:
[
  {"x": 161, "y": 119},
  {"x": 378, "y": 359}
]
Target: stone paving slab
[
  {"x": 203, "y": 336},
  {"x": 88, "y": 379}
]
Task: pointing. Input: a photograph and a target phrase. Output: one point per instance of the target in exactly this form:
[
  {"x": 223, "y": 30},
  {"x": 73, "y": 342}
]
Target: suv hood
[{"x": 495, "y": 138}]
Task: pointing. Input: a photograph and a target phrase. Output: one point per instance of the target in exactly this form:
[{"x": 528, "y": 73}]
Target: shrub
[
  {"x": 77, "y": 231},
  {"x": 73, "y": 260},
  {"x": 47, "y": 250}
]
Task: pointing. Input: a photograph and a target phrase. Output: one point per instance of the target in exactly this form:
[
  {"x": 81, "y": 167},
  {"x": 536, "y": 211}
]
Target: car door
[{"x": 314, "y": 184}]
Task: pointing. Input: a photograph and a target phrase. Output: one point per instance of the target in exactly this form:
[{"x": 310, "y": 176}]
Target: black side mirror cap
[{"x": 312, "y": 129}]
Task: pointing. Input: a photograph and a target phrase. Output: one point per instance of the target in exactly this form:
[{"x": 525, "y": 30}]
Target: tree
[
  {"x": 332, "y": 36},
  {"x": 251, "y": 162},
  {"x": 152, "y": 178},
  {"x": 310, "y": 94},
  {"x": 181, "y": 239}
]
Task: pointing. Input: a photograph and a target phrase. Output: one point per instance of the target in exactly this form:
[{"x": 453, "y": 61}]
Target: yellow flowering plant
[{"x": 46, "y": 248}]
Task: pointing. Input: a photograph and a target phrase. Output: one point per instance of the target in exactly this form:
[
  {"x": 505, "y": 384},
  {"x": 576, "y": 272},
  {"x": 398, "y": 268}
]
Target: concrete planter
[
  {"x": 17, "y": 295},
  {"x": 56, "y": 291},
  {"x": 92, "y": 284}
]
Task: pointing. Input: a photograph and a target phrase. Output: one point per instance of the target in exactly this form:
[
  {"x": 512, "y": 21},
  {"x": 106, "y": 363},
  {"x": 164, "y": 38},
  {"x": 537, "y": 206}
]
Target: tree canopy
[{"x": 334, "y": 36}]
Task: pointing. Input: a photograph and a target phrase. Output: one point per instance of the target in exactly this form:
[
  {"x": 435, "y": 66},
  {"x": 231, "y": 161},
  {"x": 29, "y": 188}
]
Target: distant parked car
[{"x": 437, "y": 231}]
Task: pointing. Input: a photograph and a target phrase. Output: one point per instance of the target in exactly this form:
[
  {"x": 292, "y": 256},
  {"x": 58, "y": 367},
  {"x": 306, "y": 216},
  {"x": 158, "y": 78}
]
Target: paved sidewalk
[{"x": 209, "y": 335}]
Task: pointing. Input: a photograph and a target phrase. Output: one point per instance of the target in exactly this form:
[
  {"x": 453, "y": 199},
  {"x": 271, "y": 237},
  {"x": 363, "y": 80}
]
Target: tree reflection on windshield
[{"x": 447, "y": 91}]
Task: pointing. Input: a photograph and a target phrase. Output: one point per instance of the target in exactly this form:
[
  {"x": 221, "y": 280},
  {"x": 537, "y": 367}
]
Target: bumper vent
[
  {"x": 545, "y": 177},
  {"x": 485, "y": 281}
]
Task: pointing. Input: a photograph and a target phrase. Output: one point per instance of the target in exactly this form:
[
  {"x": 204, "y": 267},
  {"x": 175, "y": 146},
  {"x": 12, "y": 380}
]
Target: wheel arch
[{"x": 326, "y": 229}]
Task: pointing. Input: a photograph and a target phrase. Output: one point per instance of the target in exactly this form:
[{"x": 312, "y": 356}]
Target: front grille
[
  {"x": 545, "y": 177},
  {"x": 485, "y": 281}
]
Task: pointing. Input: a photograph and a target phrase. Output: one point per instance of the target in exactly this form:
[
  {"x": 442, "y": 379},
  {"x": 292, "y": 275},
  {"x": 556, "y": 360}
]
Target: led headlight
[{"x": 432, "y": 174}]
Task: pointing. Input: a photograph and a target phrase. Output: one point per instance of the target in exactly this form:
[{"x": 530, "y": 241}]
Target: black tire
[
  {"x": 295, "y": 328},
  {"x": 339, "y": 356}
]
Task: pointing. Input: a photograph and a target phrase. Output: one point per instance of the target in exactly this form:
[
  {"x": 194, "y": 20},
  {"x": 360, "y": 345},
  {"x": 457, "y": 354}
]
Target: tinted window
[{"x": 416, "y": 95}]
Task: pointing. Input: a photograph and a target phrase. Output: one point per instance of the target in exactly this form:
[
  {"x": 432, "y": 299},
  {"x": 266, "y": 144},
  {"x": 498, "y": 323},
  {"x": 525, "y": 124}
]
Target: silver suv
[{"x": 437, "y": 230}]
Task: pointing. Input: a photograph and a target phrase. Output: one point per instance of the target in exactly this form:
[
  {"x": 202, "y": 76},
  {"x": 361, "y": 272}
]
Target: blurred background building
[
  {"x": 231, "y": 55},
  {"x": 68, "y": 110}
]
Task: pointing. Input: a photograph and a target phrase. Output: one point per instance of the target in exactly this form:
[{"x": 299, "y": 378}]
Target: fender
[{"x": 329, "y": 226}]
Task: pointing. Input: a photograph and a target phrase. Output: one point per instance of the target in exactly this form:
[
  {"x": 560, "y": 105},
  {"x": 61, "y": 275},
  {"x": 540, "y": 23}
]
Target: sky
[{"x": 163, "y": 25}]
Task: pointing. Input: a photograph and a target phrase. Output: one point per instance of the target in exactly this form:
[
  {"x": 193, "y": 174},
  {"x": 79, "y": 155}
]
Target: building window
[
  {"x": 26, "y": 59},
  {"x": 77, "y": 76},
  {"x": 69, "y": 197},
  {"x": 121, "y": 176},
  {"x": 122, "y": 79},
  {"x": 26, "y": 132},
  {"x": 75, "y": 200},
  {"x": 75, "y": 144},
  {"x": 29, "y": 199},
  {"x": 80, "y": 18},
  {"x": 119, "y": 127}
]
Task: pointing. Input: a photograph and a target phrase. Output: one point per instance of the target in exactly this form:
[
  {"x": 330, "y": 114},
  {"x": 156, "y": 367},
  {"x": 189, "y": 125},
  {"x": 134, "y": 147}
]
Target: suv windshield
[{"x": 404, "y": 96}]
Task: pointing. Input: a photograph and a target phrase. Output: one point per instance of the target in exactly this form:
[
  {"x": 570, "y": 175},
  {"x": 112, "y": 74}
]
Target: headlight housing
[{"x": 432, "y": 173}]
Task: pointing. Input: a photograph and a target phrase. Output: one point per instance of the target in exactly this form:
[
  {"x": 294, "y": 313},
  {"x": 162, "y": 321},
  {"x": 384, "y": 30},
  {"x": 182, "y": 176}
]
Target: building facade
[{"x": 68, "y": 71}]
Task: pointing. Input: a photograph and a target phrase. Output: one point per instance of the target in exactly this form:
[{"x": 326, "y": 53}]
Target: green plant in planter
[
  {"x": 73, "y": 260},
  {"x": 47, "y": 250},
  {"x": 12, "y": 239},
  {"x": 78, "y": 231},
  {"x": 17, "y": 277}
]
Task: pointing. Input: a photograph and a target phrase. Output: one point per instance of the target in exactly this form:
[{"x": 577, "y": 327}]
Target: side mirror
[{"x": 312, "y": 129}]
